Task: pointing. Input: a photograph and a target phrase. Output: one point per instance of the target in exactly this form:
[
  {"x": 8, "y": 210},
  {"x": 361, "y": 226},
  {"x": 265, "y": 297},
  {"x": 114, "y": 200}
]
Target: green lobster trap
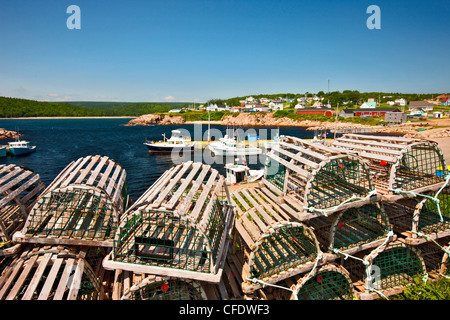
[
  {"x": 275, "y": 247},
  {"x": 179, "y": 227},
  {"x": 19, "y": 189},
  {"x": 424, "y": 217},
  {"x": 316, "y": 178},
  {"x": 49, "y": 273},
  {"x": 329, "y": 282},
  {"x": 386, "y": 271},
  {"x": 399, "y": 166},
  {"x": 151, "y": 287},
  {"x": 81, "y": 206},
  {"x": 352, "y": 230}
]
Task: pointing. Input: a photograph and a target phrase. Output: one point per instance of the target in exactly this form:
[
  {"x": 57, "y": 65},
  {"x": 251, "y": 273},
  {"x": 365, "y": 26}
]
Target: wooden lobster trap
[
  {"x": 81, "y": 206},
  {"x": 329, "y": 282},
  {"x": 317, "y": 178},
  {"x": 422, "y": 218},
  {"x": 180, "y": 227},
  {"x": 385, "y": 271},
  {"x": 19, "y": 189},
  {"x": 273, "y": 245},
  {"x": 49, "y": 273},
  {"x": 399, "y": 166},
  {"x": 352, "y": 230},
  {"x": 131, "y": 286}
]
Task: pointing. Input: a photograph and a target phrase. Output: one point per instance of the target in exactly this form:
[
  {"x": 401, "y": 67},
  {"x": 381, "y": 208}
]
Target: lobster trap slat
[
  {"x": 317, "y": 178},
  {"x": 81, "y": 206},
  {"x": 49, "y": 273},
  {"x": 398, "y": 165},
  {"x": 179, "y": 227},
  {"x": 19, "y": 189},
  {"x": 274, "y": 246}
]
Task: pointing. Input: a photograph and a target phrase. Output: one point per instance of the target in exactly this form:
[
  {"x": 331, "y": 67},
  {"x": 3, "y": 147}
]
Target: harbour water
[{"x": 61, "y": 141}]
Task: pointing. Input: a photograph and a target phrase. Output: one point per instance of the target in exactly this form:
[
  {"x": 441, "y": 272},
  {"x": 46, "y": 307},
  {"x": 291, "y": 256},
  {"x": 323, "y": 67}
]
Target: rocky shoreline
[
  {"x": 6, "y": 134},
  {"x": 413, "y": 130}
]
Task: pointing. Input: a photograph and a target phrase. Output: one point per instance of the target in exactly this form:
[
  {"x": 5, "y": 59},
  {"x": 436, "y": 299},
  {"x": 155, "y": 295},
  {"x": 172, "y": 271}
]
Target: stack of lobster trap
[{"x": 361, "y": 218}]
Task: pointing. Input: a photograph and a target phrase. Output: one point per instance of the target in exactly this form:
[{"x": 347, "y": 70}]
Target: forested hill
[{"x": 15, "y": 108}]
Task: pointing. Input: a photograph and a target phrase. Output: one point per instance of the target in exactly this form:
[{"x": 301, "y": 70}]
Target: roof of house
[
  {"x": 371, "y": 104},
  {"x": 420, "y": 104},
  {"x": 371, "y": 110}
]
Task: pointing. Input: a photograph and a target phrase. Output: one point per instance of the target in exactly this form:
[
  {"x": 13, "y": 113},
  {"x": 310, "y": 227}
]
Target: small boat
[
  {"x": 227, "y": 146},
  {"x": 20, "y": 147},
  {"x": 3, "y": 151},
  {"x": 176, "y": 143},
  {"x": 239, "y": 173}
]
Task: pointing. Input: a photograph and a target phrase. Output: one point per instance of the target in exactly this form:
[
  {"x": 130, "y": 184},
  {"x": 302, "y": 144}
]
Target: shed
[
  {"x": 315, "y": 178},
  {"x": 49, "y": 273},
  {"x": 81, "y": 206},
  {"x": 274, "y": 245},
  {"x": 395, "y": 117},
  {"x": 180, "y": 226},
  {"x": 19, "y": 189},
  {"x": 398, "y": 165}
]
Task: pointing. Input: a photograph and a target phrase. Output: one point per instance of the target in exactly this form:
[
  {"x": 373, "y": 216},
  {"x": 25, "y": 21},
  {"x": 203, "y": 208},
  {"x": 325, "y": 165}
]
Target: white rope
[
  {"x": 325, "y": 211},
  {"x": 434, "y": 198},
  {"x": 295, "y": 292},
  {"x": 420, "y": 234}
]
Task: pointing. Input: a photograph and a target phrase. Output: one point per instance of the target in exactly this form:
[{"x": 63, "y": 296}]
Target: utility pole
[
  {"x": 335, "y": 127},
  {"x": 328, "y": 85}
]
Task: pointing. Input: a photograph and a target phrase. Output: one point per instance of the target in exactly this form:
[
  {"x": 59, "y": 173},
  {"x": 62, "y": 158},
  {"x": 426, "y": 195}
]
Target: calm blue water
[{"x": 60, "y": 141}]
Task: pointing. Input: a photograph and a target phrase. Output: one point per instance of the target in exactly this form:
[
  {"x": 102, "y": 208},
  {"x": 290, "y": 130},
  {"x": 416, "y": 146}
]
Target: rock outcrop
[{"x": 6, "y": 134}]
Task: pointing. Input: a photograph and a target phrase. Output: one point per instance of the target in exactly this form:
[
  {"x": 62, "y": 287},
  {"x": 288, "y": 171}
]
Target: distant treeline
[
  {"x": 15, "y": 108},
  {"x": 334, "y": 97}
]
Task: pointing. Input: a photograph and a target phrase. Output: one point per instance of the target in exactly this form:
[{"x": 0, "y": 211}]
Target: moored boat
[
  {"x": 176, "y": 143},
  {"x": 227, "y": 146},
  {"x": 20, "y": 147}
]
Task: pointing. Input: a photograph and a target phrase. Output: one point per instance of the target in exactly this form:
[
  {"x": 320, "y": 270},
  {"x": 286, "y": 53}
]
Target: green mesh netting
[
  {"x": 327, "y": 285},
  {"x": 158, "y": 238},
  {"x": 419, "y": 167},
  {"x": 77, "y": 213},
  {"x": 275, "y": 173},
  {"x": 338, "y": 181},
  {"x": 397, "y": 266},
  {"x": 429, "y": 219},
  {"x": 173, "y": 289},
  {"x": 357, "y": 226},
  {"x": 287, "y": 247}
]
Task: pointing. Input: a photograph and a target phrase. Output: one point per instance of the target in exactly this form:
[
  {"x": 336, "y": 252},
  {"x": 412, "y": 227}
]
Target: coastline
[{"x": 42, "y": 118}]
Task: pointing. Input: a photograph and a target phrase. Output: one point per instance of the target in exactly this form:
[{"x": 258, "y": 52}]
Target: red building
[{"x": 326, "y": 112}]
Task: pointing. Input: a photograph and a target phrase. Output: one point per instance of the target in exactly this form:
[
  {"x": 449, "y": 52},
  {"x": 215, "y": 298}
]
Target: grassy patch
[{"x": 432, "y": 290}]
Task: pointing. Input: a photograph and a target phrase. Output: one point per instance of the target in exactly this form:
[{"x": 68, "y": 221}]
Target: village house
[
  {"x": 368, "y": 105},
  {"x": 276, "y": 106},
  {"x": 420, "y": 105}
]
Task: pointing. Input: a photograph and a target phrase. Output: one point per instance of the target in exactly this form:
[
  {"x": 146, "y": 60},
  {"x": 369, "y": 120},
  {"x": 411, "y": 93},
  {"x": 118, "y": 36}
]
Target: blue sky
[{"x": 194, "y": 50}]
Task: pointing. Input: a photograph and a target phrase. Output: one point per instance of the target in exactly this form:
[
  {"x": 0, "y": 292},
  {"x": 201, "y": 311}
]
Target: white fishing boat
[
  {"x": 20, "y": 147},
  {"x": 175, "y": 143},
  {"x": 227, "y": 146},
  {"x": 240, "y": 173}
]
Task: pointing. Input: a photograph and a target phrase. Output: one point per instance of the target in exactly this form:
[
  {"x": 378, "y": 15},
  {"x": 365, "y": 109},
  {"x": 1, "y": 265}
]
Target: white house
[
  {"x": 299, "y": 106},
  {"x": 174, "y": 110},
  {"x": 212, "y": 107},
  {"x": 400, "y": 102},
  {"x": 276, "y": 105}
]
